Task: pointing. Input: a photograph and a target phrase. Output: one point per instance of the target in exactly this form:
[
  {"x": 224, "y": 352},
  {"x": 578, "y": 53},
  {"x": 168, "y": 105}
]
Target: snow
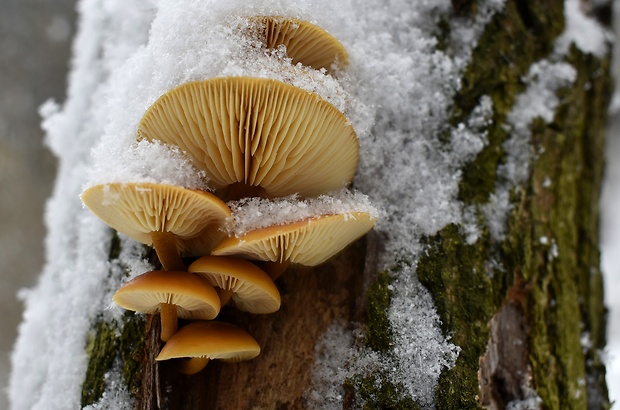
[
  {"x": 583, "y": 31},
  {"x": 397, "y": 94},
  {"x": 254, "y": 213}
]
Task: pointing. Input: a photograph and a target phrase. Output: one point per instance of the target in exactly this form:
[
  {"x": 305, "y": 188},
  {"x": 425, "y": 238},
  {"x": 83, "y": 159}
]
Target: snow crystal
[
  {"x": 583, "y": 31},
  {"x": 254, "y": 213},
  {"x": 147, "y": 162},
  {"x": 115, "y": 396},
  {"x": 420, "y": 350}
]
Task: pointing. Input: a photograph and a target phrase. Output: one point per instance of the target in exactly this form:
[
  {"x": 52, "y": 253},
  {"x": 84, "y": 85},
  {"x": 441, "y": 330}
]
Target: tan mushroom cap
[
  {"x": 257, "y": 132},
  {"x": 251, "y": 288},
  {"x": 193, "y": 296},
  {"x": 212, "y": 340},
  {"x": 140, "y": 209},
  {"x": 305, "y": 43},
  {"x": 308, "y": 242}
]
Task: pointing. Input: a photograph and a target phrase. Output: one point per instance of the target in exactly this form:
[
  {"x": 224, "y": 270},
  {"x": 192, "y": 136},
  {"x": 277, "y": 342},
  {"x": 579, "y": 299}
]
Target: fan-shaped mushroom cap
[
  {"x": 213, "y": 340},
  {"x": 193, "y": 296},
  {"x": 308, "y": 242},
  {"x": 305, "y": 43},
  {"x": 257, "y": 132},
  {"x": 252, "y": 289},
  {"x": 139, "y": 209}
]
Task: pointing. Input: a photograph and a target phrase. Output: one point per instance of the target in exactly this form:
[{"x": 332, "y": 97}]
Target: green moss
[
  {"x": 101, "y": 349},
  {"x": 109, "y": 341},
  {"x": 379, "y": 332},
  {"x": 566, "y": 299},
  {"x": 467, "y": 291},
  {"x": 522, "y": 34},
  {"x": 377, "y": 394},
  {"x": 131, "y": 346},
  {"x": 115, "y": 246}
]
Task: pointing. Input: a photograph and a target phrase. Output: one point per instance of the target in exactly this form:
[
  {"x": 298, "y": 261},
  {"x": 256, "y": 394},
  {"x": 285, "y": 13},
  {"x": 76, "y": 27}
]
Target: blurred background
[{"x": 35, "y": 42}]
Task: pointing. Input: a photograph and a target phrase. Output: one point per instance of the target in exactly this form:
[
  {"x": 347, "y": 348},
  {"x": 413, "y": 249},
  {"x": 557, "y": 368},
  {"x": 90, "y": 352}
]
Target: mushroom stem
[
  {"x": 169, "y": 323},
  {"x": 275, "y": 269},
  {"x": 225, "y": 295},
  {"x": 193, "y": 365},
  {"x": 166, "y": 247}
]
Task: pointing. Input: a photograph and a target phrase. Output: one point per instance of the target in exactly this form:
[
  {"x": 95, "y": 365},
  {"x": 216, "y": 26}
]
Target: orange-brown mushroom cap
[
  {"x": 212, "y": 340},
  {"x": 141, "y": 209},
  {"x": 305, "y": 43},
  {"x": 257, "y": 132},
  {"x": 193, "y": 296},
  {"x": 308, "y": 242},
  {"x": 252, "y": 289}
]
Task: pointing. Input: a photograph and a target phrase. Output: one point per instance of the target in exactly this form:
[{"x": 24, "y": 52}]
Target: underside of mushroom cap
[
  {"x": 213, "y": 340},
  {"x": 257, "y": 132},
  {"x": 305, "y": 43},
  {"x": 193, "y": 296},
  {"x": 139, "y": 209},
  {"x": 308, "y": 242},
  {"x": 253, "y": 290}
]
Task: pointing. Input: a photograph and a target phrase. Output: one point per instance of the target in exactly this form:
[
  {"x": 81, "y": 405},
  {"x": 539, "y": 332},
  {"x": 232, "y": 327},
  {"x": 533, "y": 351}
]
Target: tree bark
[{"x": 530, "y": 325}]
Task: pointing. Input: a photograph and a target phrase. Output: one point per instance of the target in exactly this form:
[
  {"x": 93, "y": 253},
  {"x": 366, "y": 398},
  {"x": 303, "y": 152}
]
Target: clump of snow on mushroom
[
  {"x": 249, "y": 214},
  {"x": 147, "y": 162}
]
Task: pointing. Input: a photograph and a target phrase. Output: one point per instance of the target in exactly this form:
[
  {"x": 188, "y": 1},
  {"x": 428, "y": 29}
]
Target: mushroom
[
  {"x": 166, "y": 216},
  {"x": 305, "y": 43},
  {"x": 251, "y": 288},
  {"x": 308, "y": 242},
  {"x": 173, "y": 294},
  {"x": 204, "y": 341},
  {"x": 256, "y": 136}
]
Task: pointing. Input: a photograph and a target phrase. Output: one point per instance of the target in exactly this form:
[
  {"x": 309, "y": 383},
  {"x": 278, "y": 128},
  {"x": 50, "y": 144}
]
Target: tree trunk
[{"x": 525, "y": 307}]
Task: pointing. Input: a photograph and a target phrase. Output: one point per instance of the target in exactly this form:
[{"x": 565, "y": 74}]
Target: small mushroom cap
[
  {"x": 305, "y": 43},
  {"x": 212, "y": 340},
  {"x": 258, "y": 132},
  {"x": 194, "y": 297},
  {"x": 254, "y": 291},
  {"x": 138, "y": 209},
  {"x": 308, "y": 242}
]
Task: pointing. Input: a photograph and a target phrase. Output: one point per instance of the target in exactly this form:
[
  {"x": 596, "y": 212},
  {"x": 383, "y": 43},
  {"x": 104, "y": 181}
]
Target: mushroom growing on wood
[
  {"x": 173, "y": 219},
  {"x": 173, "y": 294},
  {"x": 250, "y": 287},
  {"x": 308, "y": 242},
  {"x": 204, "y": 341},
  {"x": 305, "y": 43},
  {"x": 256, "y": 136}
]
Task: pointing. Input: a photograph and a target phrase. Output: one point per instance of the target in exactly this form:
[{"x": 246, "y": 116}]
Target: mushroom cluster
[{"x": 253, "y": 137}]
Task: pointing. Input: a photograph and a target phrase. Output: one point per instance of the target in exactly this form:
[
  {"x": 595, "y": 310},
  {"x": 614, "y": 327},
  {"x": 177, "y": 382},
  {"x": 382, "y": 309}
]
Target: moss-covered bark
[{"x": 547, "y": 269}]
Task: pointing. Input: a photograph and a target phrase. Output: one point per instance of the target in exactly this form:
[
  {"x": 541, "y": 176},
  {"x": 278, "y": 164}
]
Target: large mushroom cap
[
  {"x": 252, "y": 289},
  {"x": 193, "y": 296},
  {"x": 139, "y": 209},
  {"x": 308, "y": 242},
  {"x": 305, "y": 43},
  {"x": 257, "y": 132},
  {"x": 212, "y": 340}
]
